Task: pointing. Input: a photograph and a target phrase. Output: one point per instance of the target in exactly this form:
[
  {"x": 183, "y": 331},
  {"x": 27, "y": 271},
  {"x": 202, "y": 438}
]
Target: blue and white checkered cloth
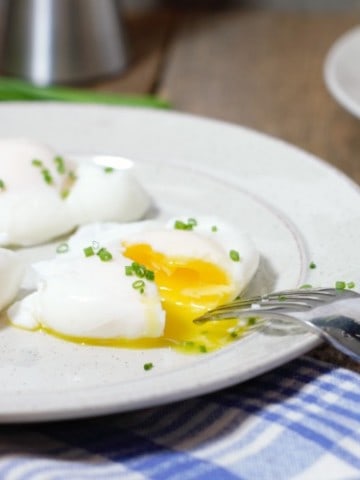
[{"x": 300, "y": 421}]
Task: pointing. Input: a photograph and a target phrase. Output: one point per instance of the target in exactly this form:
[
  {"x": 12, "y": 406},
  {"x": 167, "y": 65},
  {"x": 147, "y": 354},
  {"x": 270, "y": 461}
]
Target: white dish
[
  {"x": 283, "y": 196},
  {"x": 342, "y": 71}
]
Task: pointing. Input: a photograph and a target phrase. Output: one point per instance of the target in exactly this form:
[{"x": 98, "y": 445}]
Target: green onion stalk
[{"x": 13, "y": 89}]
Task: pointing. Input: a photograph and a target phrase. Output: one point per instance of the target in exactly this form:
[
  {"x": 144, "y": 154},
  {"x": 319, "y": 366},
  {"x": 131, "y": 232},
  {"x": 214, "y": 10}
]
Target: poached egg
[
  {"x": 152, "y": 283},
  {"x": 44, "y": 195}
]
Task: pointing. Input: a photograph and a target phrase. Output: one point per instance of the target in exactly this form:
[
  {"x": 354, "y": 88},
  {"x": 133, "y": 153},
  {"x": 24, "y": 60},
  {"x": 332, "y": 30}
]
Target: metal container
[{"x": 63, "y": 41}]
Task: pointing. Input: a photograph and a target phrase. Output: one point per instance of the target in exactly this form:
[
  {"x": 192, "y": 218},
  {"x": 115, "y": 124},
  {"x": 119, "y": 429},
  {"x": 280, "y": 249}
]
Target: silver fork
[{"x": 332, "y": 313}]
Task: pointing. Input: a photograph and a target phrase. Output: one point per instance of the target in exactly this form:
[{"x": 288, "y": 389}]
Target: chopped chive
[
  {"x": 282, "y": 298},
  {"x": 139, "y": 270},
  {"x": 139, "y": 285},
  {"x": 60, "y": 164},
  {"x": 306, "y": 285},
  {"x": 234, "y": 255},
  {"x": 89, "y": 252},
  {"x": 340, "y": 285},
  {"x": 312, "y": 265},
  {"x": 202, "y": 348},
  {"x": 62, "y": 248},
  {"x": 148, "y": 366},
  {"x": 251, "y": 321},
  {"x": 128, "y": 270},
  {"x": 214, "y": 228},
  {"x": 64, "y": 193},
  {"x": 2, "y": 185},
  {"x": 180, "y": 225},
  {"x": 108, "y": 169},
  {"x": 47, "y": 176},
  {"x": 234, "y": 334},
  {"x": 188, "y": 343},
  {"x": 350, "y": 285},
  {"x": 149, "y": 275},
  {"x": 36, "y": 162},
  {"x": 104, "y": 255}
]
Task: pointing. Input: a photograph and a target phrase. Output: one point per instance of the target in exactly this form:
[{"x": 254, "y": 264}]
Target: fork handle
[
  {"x": 339, "y": 323},
  {"x": 343, "y": 333}
]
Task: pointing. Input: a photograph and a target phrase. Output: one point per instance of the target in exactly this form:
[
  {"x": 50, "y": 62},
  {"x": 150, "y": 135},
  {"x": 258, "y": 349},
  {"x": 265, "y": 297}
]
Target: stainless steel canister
[{"x": 63, "y": 41}]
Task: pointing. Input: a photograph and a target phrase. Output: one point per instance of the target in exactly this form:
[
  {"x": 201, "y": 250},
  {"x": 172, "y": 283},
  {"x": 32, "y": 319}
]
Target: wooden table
[{"x": 261, "y": 69}]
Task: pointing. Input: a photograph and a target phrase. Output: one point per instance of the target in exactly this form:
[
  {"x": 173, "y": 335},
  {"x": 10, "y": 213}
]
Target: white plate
[
  {"x": 297, "y": 208},
  {"x": 342, "y": 71}
]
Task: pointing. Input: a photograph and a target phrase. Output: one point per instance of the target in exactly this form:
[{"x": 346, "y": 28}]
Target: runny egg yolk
[{"x": 188, "y": 288}]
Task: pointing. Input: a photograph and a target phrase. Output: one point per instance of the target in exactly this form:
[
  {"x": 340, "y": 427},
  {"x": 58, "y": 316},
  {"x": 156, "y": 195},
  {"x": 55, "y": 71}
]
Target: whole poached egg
[
  {"x": 44, "y": 195},
  {"x": 140, "y": 284}
]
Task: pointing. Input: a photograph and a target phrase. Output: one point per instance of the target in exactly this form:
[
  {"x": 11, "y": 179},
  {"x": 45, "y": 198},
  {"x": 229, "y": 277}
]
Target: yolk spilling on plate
[{"x": 188, "y": 288}]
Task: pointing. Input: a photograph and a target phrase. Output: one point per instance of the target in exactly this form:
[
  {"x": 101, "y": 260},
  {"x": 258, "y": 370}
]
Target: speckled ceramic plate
[
  {"x": 342, "y": 71},
  {"x": 282, "y": 196}
]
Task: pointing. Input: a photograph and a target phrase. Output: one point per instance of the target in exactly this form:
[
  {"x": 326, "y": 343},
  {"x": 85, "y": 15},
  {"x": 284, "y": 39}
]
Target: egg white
[
  {"x": 89, "y": 298},
  {"x": 112, "y": 196},
  {"x": 31, "y": 210},
  {"x": 11, "y": 274}
]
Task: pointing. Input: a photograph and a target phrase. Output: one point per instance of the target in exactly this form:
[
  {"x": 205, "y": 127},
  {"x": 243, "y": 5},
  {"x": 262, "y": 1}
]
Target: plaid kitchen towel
[{"x": 300, "y": 421}]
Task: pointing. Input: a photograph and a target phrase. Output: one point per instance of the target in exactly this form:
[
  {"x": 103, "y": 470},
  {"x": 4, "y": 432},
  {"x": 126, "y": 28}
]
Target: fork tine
[
  {"x": 231, "y": 313},
  {"x": 263, "y": 304},
  {"x": 306, "y": 292},
  {"x": 240, "y": 303},
  {"x": 287, "y": 304},
  {"x": 316, "y": 294},
  {"x": 313, "y": 297},
  {"x": 224, "y": 315},
  {"x": 285, "y": 300}
]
